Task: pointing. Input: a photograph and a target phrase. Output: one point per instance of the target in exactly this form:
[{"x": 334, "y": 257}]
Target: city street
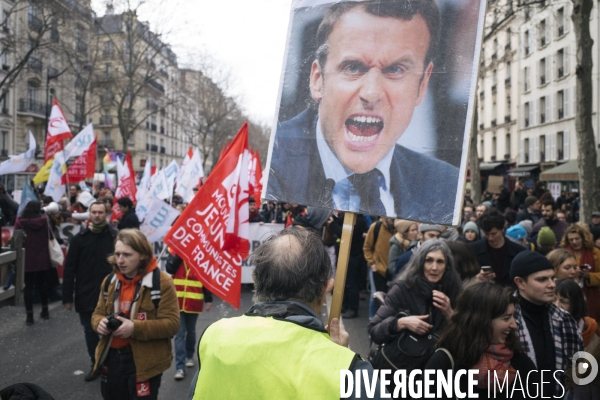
[{"x": 52, "y": 353}]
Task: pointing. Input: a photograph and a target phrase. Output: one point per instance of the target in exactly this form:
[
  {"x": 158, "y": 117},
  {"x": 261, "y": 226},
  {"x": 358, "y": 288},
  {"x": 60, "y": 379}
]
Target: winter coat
[
  {"x": 377, "y": 253},
  {"x": 151, "y": 338},
  {"x": 129, "y": 220},
  {"x": 37, "y": 254},
  {"x": 480, "y": 249},
  {"x": 86, "y": 267}
]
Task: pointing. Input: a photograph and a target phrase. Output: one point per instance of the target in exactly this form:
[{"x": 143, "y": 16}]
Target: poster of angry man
[{"x": 375, "y": 106}]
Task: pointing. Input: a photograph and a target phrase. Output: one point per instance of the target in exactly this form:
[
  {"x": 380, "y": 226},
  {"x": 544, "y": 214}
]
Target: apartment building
[{"x": 527, "y": 90}]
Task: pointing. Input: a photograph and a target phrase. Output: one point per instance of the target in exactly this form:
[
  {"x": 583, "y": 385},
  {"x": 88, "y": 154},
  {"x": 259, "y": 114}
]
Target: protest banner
[
  {"x": 158, "y": 220},
  {"x": 211, "y": 235},
  {"x": 126, "y": 175},
  {"x": 19, "y": 163},
  {"x": 190, "y": 177},
  {"x": 257, "y": 234},
  {"x": 83, "y": 166},
  {"x": 388, "y": 134},
  {"x": 58, "y": 131},
  {"x": 394, "y": 124}
]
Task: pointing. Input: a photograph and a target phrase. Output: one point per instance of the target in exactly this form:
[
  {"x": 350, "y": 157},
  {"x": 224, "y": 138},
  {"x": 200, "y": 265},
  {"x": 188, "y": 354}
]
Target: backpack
[{"x": 155, "y": 293}]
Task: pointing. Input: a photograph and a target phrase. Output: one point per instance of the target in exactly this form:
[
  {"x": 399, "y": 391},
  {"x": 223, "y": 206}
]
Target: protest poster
[
  {"x": 388, "y": 134},
  {"x": 257, "y": 234}
]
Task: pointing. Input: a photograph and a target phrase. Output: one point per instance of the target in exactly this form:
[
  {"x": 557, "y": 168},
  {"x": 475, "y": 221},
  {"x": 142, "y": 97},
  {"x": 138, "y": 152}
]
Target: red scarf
[{"x": 496, "y": 358}]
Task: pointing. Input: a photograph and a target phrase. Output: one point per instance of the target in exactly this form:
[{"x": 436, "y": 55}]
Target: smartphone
[
  {"x": 586, "y": 267},
  {"x": 486, "y": 268}
]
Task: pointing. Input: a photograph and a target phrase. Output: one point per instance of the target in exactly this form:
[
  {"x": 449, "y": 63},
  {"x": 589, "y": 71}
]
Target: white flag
[
  {"x": 144, "y": 185},
  {"x": 81, "y": 142},
  {"x": 190, "y": 177},
  {"x": 54, "y": 187},
  {"x": 171, "y": 172},
  {"x": 20, "y": 162},
  {"x": 158, "y": 221}
]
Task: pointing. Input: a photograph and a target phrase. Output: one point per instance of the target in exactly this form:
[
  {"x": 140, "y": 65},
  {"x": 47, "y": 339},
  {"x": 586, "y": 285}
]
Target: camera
[{"x": 113, "y": 323}]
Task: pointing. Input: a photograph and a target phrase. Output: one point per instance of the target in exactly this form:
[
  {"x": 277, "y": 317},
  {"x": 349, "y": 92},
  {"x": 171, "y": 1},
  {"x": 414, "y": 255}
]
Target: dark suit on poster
[{"x": 423, "y": 187}]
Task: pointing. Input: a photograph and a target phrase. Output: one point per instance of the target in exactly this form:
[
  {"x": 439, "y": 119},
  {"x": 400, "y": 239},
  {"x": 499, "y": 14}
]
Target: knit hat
[
  {"x": 471, "y": 226},
  {"x": 487, "y": 203},
  {"x": 546, "y": 237},
  {"x": 86, "y": 199},
  {"x": 596, "y": 214},
  {"x": 530, "y": 200},
  {"x": 428, "y": 227},
  {"x": 527, "y": 224},
  {"x": 516, "y": 232},
  {"x": 528, "y": 262},
  {"x": 402, "y": 225}
]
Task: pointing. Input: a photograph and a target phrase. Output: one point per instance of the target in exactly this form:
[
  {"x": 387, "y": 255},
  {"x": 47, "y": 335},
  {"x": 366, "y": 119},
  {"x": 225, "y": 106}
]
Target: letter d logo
[{"x": 587, "y": 367}]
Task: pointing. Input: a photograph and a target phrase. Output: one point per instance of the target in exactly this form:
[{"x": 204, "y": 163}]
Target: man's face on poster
[{"x": 374, "y": 77}]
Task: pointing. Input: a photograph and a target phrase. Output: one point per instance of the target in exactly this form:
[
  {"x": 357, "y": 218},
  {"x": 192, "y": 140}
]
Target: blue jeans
[
  {"x": 91, "y": 337},
  {"x": 185, "y": 340}
]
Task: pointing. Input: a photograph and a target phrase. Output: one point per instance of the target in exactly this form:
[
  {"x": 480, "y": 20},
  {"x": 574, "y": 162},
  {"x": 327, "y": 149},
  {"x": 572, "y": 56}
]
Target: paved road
[{"x": 52, "y": 353}]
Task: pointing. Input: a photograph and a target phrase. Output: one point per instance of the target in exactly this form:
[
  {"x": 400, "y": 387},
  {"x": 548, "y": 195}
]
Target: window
[
  {"x": 560, "y": 21},
  {"x": 494, "y": 144},
  {"x": 542, "y": 110},
  {"x": 4, "y": 143},
  {"x": 526, "y": 42},
  {"x": 560, "y": 63},
  {"x": 560, "y": 104},
  {"x": 507, "y": 146},
  {"x": 107, "y": 70},
  {"x": 108, "y": 48},
  {"x": 542, "y": 33},
  {"x": 526, "y": 150},
  {"x": 543, "y": 148},
  {"x": 106, "y": 138},
  {"x": 542, "y": 71},
  {"x": 507, "y": 109},
  {"x": 4, "y": 21},
  {"x": 526, "y": 115},
  {"x": 560, "y": 149},
  {"x": 526, "y": 79},
  {"x": 507, "y": 46},
  {"x": 495, "y": 49}
]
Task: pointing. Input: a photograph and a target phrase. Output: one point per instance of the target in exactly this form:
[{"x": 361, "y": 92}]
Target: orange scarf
[
  {"x": 495, "y": 359},
  {"x": 590, "y": 327}
]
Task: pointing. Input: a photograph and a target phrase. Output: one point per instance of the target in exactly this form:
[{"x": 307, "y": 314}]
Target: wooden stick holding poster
[{"x": 342, "y": 266}]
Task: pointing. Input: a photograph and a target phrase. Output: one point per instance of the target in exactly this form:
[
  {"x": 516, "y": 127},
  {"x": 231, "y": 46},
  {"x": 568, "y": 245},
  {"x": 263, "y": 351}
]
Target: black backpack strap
[
  {"x": 155, "y": 293},
  {"x": 376, "y": 232}
]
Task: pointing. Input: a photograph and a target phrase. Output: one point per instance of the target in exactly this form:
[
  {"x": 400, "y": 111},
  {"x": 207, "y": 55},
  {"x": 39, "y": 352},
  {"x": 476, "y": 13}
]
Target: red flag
[
  {"x": 211, "y": 235},
  {"x": 126, "y": 174},
  {"x": 83, "y": 166},
  {"x": 58, "y": 130}
]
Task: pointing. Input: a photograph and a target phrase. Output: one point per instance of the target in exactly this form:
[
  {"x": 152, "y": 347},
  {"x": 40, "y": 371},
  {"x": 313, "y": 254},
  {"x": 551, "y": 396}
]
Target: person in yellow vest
[
  {"x": 192, "y": 297},
  {"x": 280, "y": 349}
]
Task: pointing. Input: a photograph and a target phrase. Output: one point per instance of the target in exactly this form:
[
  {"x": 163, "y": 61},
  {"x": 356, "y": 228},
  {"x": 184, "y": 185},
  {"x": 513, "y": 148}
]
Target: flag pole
[{"x": 342, "y": 266}]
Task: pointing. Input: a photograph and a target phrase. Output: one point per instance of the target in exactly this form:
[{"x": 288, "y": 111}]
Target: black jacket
[
  {"x": 129, "y": 220},
  {"x": 383, "y": 326},
  {"x": 480, "y": 249},
  {"x": 424, "y": 193},
  {"x": 86, "y": 267}
]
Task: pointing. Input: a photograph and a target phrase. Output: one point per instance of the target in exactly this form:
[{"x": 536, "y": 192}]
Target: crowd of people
[{"x": 527, "y": 277}]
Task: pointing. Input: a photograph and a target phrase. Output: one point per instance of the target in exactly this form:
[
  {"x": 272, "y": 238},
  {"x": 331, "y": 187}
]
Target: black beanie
[{"x": 527, "y": 262}]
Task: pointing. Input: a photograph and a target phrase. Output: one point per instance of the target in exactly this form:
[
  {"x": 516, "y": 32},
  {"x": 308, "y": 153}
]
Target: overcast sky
[{"x": 247, "y": 38}]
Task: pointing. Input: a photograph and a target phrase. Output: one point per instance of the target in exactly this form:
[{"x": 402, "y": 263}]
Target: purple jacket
[{"x": 37, "y": 254}]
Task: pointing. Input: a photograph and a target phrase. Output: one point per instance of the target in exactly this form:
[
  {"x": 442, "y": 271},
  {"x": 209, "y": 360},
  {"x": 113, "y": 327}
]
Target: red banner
[
  {"x": 52, "y": 148},
  {"x": 211, "y": 235},
  {"x": 83, "y": 167},
  {"x": 126, "y": 186}
]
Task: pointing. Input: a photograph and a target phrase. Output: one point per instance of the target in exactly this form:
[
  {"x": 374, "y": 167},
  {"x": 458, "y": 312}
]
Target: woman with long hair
[
  {"x": 134, "y": 354},
  {"x": 406, "y": 234},
  {"x": 465, "y": 262},
  {"x": 37, "y": 257},
  {"x": 565, "y": 264},
  {"x": 570, "y": 298},
  {"x": 579, "y": 241},
  {"x": 481, "y": 335},
  {"x": 422, "y": 298}
]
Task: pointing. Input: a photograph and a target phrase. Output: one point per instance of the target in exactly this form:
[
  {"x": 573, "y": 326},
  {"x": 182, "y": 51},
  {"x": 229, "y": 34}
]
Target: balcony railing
[
  {"x": 561, "y": 72},
  {"x": 526, "y": 50},
  {"x": 526, "y": 122},
  {"x": 106, "y": 120},
  {"x": 561, "y": 154},
  {"x": 561, "y": 113},
  {"x": 542, "y": 41},
  {"x": 542, "y": 118},
  {"x": 154, "y": 148},
  {"x": 543, "y": 80},
  {"x": 32, "y": 106},
  {"x": 34, "y": 64},
  {"x": 153, "y": 127}
]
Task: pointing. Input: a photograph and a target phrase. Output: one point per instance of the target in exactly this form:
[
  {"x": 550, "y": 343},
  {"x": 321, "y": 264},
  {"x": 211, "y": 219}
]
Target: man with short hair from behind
[
  {"x": 548, "y": 335},
  {"x": 280, "y": 349},
  {"x": 86, "y": 267},
  {"x": 495, "y": 250}
]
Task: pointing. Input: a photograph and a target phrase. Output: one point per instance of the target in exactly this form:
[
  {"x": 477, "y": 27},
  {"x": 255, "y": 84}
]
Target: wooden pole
[{"x": 342, "y": 266}]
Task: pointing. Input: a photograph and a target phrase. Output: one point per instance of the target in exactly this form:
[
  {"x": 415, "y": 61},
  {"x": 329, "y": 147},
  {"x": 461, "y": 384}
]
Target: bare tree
[
  {"x": 586, "y": 144},
  {"x": 138, "y": 59},
  {"x": 42, "y": 18}
]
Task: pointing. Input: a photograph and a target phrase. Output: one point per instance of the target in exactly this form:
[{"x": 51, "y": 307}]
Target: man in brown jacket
[{"x": 376, "y": 250}]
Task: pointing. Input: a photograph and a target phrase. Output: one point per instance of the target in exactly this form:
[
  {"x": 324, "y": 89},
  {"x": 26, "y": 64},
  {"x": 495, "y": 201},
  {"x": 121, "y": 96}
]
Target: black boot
[
  {"x": 29, "y": 320},
  {"x": 45, "y": 314}
]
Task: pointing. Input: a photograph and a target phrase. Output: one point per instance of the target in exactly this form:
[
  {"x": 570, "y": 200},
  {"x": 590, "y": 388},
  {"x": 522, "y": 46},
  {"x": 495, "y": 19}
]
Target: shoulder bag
[{"x": 56, "y": 254}]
